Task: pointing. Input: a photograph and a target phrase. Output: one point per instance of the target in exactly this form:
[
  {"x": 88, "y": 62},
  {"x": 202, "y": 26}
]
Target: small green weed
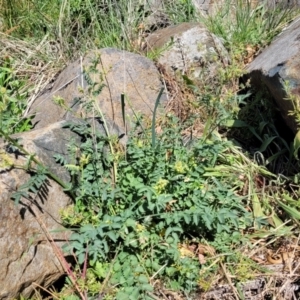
[
  {"x": 180, "y": 11},
  {"x": 12, "y": 101}
]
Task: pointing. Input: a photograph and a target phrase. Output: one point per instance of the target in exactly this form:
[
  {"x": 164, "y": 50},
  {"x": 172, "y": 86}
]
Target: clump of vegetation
[
  {"x": 169, "y": 211},
  {"x": 162, "y": 198},
  {"x": 13, "y": 101},
  {"x": 246, "y": 27}
]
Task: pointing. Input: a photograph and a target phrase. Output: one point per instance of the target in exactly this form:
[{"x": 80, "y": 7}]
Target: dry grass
[
  {"x": 278, "y": 280},
  {"x": 37, "y": 64}
]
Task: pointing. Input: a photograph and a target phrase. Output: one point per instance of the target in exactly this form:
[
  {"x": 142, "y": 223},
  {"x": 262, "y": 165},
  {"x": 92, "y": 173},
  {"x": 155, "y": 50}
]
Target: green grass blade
[
  {"x": 123, "y": 109},
  {"x": 291, "y": 211},
  {"x": 266, "y": 143},
  {"x": 154, "y": 117}
]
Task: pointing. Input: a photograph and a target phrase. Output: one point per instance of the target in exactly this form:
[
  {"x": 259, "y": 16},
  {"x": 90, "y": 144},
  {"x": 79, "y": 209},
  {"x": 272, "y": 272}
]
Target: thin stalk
[
  {"x": 59, "y": 254},
  {"x": 115, "y": 171},
  {"x": 154, "y": 117}
]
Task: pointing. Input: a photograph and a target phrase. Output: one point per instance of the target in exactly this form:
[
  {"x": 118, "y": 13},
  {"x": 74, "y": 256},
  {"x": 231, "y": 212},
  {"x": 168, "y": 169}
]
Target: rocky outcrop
[
  {"x": 116, "y": 72},
  {"x": 186, "y": 48},
  {"x": 277, "y": 67},
  {"x": 27, "y": 258}
]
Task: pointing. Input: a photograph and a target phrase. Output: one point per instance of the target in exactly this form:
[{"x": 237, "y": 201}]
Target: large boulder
[
  {"x": 187, "y": 48},
  {"x": 278, "y": 68},
  {"x": 117, "y": 72},
  {"x": 27, "y": 257}
]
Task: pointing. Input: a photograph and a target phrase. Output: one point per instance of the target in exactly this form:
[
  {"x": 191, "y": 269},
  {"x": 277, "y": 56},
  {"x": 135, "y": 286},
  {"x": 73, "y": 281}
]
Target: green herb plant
[
  {"x": 12, "y": 101},
  {"x": 132, "y": 226}
]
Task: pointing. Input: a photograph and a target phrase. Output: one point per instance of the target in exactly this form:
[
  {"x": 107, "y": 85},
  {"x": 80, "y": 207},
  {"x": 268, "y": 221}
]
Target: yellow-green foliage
[{"x": 6, "y": 162}]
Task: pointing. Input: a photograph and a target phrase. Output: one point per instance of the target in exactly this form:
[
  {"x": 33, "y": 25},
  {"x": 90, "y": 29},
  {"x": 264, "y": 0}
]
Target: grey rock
[
  {"x": 277, "y": 67},
  {"x": 156, "y": 20},
  {"x": 212, "y": 7},
  {"x": 187, "y": 47},
  {"x": 119, "y": 72},
  {"x": 203, "y": 6},
  {"x": 48, "y": 141},
  {"x": 282, "y": 4},
  {"x": 26, "y": 256}
]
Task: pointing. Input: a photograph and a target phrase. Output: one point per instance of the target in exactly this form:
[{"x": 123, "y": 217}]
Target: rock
[
  {"x": 278, "y": 67},
  {"x": 26, "y": 256},
  {"x": 212, "y": 7},
  {"x": 118, "y": 71},
  {"x": 282, "y": 4},
  {"x": 156, "y": 15},
  {"x": 156, "y": 20},
  {"x": 204, "y": 6},
  {"x": 187, "y": 47},
  {"x": 47, "y": 141},
  {"x": 208, "y": 7}
]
